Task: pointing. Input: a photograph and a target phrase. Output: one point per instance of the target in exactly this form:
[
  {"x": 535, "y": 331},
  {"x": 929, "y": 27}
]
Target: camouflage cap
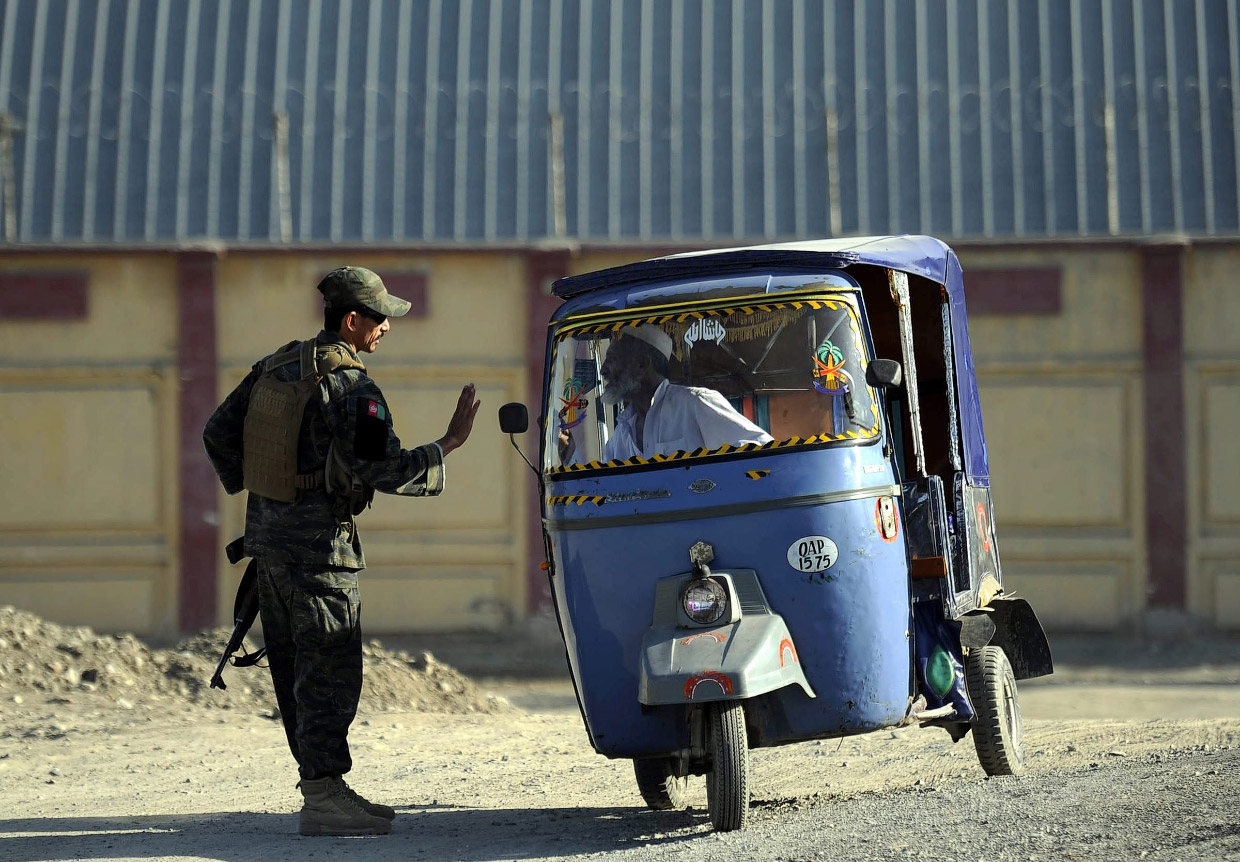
[{"x": 348, "y": 286}]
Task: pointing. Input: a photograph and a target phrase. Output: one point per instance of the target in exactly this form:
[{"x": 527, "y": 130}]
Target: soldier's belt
[{"x": 306, "y": 481}]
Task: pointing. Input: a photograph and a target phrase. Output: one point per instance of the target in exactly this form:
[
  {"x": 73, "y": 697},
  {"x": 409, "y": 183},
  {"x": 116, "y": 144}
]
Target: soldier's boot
[
  {"x": 331, "y": 809},
  {"x": 378, "y": 810}
]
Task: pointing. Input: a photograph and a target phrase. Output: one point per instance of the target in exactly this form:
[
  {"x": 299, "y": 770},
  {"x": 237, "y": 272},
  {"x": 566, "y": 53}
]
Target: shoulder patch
[{"x": 370, "y": 436}]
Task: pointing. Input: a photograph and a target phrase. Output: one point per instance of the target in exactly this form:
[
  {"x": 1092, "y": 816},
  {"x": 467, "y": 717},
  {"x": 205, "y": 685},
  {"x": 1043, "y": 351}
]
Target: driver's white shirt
[{"x": 682, "y": 417}]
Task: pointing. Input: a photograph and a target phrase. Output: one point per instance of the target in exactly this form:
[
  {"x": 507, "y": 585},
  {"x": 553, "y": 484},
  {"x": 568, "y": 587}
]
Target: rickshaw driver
[{"x": 662, "y": 417}]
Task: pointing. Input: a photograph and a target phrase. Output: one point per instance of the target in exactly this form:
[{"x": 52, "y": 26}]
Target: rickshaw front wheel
[
  {"x": 727, "y": 783},
  {"x": 660, "y": 787},
  {"x": 997, "y": 732}
]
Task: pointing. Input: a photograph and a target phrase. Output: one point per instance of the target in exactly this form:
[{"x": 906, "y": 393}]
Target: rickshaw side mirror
[
  {"x": 884, "y": 374},
  {"x": 514, "y": 418}
]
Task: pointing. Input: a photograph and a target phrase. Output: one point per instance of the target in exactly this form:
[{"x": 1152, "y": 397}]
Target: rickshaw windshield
[{"x": 745, "y": 377}]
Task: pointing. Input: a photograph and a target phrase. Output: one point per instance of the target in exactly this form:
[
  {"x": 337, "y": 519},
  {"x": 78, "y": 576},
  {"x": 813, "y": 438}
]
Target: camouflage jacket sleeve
[
  {"x": 225, "y": 431},
  {"x": 361, "y": 426}
]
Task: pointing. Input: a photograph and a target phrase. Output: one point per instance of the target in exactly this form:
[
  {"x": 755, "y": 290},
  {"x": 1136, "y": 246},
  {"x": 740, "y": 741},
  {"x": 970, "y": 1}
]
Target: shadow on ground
[{"x": 469, "y": 835}]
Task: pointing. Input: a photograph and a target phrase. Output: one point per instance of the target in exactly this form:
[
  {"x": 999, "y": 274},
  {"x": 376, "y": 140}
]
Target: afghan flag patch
[{"x": 375, "y": 409}]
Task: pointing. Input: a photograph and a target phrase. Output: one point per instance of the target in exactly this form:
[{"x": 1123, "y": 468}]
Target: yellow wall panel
[
  {"x": 75, "y": 458},
  {"x": 112, "y": 601},
  {"x": 478, "y": 474},
  {"x": 434, "y": 598},
  {"x": 263, "y": 303},
  {"x": 424, "y": 555},
  {"x": 1221, "y": 457},
  {"x": 475, "y": 307},
  {"x": 1227, "y": 596},
  {"x": 1058, "y": 451},
  {"x": 1211, "y": 302},
  {"x": 1071, "y": 595},
  {"x": 132, "y": 313},
  {"x": 1100, "y": 312},
  {"x": 1211, "y": 346}
]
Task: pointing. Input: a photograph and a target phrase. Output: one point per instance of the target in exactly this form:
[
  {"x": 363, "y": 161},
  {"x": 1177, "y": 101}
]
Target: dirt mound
[{"x": 38, "y": 657}]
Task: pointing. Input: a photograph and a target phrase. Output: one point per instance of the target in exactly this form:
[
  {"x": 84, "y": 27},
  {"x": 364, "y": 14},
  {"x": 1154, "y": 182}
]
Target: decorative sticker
[
  {"x": 720, "y": 679},
  {"x": 829, "y": 378},
  {"x": 785, "y": 646},
  {"x": 757, "y": 474},
  {"x": 701, "y": 486},
  {"x": 587, "y": 372},
  {"x": 812, "y": 554},
  {"x": 982, "y": 526},
  {"x": 573, "y": 411},
  {"x": 717, "y": 637},
  {"x": 707, "y": 329}
]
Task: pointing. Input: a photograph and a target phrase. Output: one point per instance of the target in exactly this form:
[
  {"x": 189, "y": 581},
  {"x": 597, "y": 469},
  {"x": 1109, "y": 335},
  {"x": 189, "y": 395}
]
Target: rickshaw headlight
[{"x": 705, "y": 601}]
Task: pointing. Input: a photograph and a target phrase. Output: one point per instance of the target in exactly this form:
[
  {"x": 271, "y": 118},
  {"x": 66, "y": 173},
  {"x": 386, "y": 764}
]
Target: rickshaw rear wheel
[
  {"x": 727, "y": 783},
  {"x": 660, "y": 787},
  {"x": 998, "y": 734}
]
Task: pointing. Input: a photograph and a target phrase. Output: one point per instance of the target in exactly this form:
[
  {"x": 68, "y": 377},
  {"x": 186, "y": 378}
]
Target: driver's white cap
[{"x": 652, "y": 335}]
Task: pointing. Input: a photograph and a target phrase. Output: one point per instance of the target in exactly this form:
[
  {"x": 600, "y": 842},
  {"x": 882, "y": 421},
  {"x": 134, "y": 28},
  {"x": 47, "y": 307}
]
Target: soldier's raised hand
[{"x": 462, "y": 421}]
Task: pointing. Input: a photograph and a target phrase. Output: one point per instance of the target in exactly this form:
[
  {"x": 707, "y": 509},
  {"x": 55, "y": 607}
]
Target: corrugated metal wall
[{"x": 487, "y": 121}]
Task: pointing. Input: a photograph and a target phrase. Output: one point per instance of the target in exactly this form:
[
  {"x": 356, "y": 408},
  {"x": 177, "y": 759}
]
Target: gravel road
[{"x": 1124, "y": 763}]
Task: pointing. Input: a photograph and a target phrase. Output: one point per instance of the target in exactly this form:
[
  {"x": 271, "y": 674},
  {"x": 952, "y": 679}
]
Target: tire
[
  {"x": 997, "y": 732},
  {"x": 727, "y": 783},
  {"x": 660, "y": 788}
]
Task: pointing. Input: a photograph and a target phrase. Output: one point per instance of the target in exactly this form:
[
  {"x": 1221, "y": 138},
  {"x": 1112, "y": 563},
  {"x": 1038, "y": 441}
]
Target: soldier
[{"x": 309, "y": 435}]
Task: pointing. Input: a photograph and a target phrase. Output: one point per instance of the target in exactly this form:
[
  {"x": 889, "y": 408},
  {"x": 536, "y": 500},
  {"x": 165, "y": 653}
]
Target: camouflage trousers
[{"x": 312, "y": 629}]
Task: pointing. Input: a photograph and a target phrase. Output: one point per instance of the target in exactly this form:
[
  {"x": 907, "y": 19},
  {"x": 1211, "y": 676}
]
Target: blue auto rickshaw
[{"x": 836, "y": 573}]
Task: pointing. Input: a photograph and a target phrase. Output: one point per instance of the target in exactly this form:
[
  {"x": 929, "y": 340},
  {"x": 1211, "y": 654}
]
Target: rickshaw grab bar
[
  {"x": 642, "y": 518},
  {"x": 898, "y": 281}
]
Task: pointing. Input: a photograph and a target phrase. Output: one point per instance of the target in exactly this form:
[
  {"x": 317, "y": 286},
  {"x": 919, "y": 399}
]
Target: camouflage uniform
[{"x": 309, "y": 553}]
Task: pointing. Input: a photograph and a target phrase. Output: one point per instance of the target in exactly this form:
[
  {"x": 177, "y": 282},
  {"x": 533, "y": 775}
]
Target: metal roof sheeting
[{"x": 511, "y": 121}]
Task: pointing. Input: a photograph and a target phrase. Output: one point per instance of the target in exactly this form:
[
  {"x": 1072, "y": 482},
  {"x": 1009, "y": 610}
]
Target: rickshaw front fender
[{"x": 751, "y": 656}]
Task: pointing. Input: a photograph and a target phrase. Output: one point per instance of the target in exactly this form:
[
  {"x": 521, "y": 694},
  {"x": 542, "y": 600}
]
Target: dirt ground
[{"x": 115, "y": 749}]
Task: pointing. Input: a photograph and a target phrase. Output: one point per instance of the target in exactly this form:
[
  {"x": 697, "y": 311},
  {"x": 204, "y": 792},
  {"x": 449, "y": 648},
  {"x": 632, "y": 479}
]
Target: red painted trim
[
  {"x": 1013, "y": 291},
  {"x": 44, "y": 295},
  {"x": 1166, "y": 496},
  {"x": 198, "y": 396},
  {"x": 541, "y": 269}
]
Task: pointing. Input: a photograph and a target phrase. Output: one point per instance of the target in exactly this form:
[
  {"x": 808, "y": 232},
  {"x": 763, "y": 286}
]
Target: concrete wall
[
  {"x": 1212, "y": 389},
  {"x": 87, "y": 449},
  {"x": 452, "y": 562},
  {"x": 1061, "y": 399},
  {"x": 89, "y": 424},
  {"x": 89, "y": 417}
]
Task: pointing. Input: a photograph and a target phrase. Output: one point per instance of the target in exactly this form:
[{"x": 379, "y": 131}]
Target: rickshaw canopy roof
[{"x": 916, "y": 255}]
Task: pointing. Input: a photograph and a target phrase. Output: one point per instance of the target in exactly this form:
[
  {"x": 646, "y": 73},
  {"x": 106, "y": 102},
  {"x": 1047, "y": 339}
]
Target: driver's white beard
[{"x": 618, "y": 391}]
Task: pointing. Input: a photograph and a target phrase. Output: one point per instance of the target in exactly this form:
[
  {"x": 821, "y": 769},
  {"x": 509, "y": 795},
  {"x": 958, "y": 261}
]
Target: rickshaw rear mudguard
[{"x": 752, "y": 656}]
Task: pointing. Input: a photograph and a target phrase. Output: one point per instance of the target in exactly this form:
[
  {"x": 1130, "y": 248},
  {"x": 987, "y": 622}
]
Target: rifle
[{"x": 245, "y": 611}]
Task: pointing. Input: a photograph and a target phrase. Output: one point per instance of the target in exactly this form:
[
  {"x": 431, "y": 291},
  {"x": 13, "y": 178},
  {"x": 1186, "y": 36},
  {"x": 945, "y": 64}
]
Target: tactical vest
[{"x": 273, "y": 424}]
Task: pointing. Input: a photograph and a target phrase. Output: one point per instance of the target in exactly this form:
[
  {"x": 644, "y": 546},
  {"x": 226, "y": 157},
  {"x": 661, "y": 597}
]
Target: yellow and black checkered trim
[
  {"x": 681, "y": 454},
  {"x": 689, "y": 316},
  {"x": 576, "y": 500}
]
